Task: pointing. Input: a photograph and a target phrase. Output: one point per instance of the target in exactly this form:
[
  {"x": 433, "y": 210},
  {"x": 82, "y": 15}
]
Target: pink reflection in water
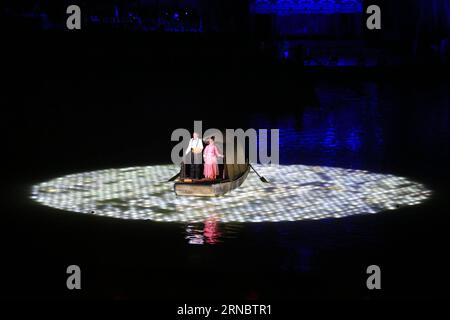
[
  {"x": 209, "y": 234},
  {"x": 211, "y": 230}
]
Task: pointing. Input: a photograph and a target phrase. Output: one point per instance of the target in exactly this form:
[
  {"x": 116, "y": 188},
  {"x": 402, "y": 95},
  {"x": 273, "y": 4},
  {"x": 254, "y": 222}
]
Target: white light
[{"x": 295, "y": 192}]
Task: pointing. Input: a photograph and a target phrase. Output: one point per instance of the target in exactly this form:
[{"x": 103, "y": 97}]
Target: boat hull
[{"x": 208, "y": 190}]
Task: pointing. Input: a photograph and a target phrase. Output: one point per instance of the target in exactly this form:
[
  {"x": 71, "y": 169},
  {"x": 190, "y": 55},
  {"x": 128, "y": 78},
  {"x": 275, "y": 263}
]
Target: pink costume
[{"x": 211, "y": 169}]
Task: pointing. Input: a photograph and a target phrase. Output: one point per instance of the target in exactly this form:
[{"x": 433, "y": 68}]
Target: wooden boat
[
  {"x": 232, "y": 177},
  {"x": 204, "y": 188}
]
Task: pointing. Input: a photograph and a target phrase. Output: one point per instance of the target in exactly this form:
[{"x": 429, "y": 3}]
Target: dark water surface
[{"x": 388, "y": 126}]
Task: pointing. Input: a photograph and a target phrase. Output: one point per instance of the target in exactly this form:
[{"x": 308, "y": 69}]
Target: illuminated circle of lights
[{"x": 296, "y": 192}]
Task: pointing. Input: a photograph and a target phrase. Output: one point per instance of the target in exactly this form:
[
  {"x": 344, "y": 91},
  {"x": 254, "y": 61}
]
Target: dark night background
[{"x": 109, "y": 95}]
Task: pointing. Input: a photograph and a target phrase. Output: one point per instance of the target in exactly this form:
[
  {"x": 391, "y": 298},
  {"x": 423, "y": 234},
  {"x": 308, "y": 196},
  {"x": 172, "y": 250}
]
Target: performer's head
[
  {"x": 212, "y": 139},
  {"x": 195, "y": 135}
]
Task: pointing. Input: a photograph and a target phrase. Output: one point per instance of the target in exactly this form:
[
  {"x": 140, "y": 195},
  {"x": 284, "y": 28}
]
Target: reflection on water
[
  {"x": 359, "y": 125},
  {"x": 342, "y": 132},
  {"x": 211, "y": 231},
  {"x": 208, "y": 232}
]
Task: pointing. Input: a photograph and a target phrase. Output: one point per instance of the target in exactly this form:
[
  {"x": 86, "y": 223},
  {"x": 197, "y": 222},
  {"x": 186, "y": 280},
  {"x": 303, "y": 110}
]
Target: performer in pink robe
[{"x": 211, "y": 168}]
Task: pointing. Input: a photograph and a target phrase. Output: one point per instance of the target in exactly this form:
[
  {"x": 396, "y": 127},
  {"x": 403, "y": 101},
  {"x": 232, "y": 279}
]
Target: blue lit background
[
  {"x": 362, "y": 126},
  {"x": 288, "y": 7}
]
